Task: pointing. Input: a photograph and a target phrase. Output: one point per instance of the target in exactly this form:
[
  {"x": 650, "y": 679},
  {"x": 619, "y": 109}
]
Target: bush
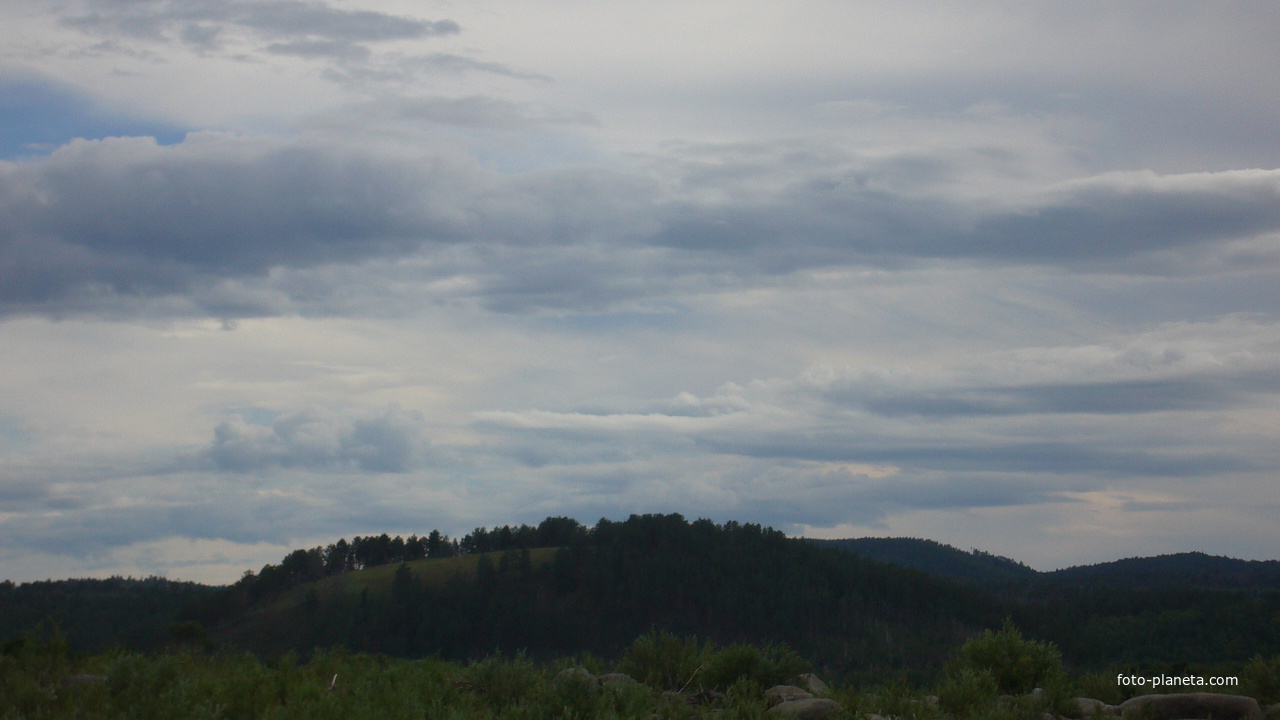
[
  {"x": 896, "y": 698},
  {"x": 774, "y": 665},
  {"x": 501, "y": 682},
  {"x": 968, "y": 692},
  {"x": 663, "y": 661},
  {"x": 1015, "y": 664},
  {"x": 1261, "y": 679}
]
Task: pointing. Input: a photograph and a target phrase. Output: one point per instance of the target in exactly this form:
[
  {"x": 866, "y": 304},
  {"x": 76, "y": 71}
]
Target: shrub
[
  {"x": 1015, "y": 664},
  {"x": 773, "y": 665},
  {"x": 968, "y": 692},
  {"x": 1261, "y": 679},
  {"x": 501, "y": 682},
  {"x": 663, "y": 661},
  {"x": 896, "y": 698}
]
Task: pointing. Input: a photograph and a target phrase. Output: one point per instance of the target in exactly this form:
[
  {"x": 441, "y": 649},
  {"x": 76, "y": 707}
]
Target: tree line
[{"x": 307, "y": 565}]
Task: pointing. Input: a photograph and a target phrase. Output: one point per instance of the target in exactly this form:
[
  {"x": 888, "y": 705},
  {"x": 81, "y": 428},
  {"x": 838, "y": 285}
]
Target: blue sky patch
[{"x": 37, "y": 118}]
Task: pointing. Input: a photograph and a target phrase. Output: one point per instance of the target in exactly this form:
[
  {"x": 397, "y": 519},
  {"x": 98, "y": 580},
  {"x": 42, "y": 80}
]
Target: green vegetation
[
  {"x": 1003, "y": 663},
  {"x": 43, "y": 678},
  {"x": 561, "y": 589}
]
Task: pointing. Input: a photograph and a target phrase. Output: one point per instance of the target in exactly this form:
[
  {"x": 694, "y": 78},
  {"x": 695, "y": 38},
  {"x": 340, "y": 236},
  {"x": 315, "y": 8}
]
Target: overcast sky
[{"x": 1004, "y": 275}]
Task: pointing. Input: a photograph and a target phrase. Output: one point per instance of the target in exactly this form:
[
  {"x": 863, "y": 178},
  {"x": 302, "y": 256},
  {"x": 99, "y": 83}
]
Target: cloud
[
  {"x": 131, "y": 217},
  {"x": 1123, "y": 214},
  {"x": 1112, "y": 412},
  {"x": 98, "y": 226},
  {"x": 315, "y": 439},
  {"x": 199, "y": 20},
  {"x": 780, "y": 220}
]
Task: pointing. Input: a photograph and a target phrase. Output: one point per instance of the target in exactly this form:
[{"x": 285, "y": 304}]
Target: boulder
[
  {"x": 617, "y": 679},
  {"x": 1192, "y": 706},
  {"x": 1082, "y": 708},
  {"x": 779, "y": 694},
  {"x": 814, "y": 685},
  {"x": 806, "y": 709},
  {"x": 577, "y": 677}
]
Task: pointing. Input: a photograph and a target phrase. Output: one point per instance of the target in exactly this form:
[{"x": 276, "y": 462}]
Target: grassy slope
[{"x": 377, "y": 580}]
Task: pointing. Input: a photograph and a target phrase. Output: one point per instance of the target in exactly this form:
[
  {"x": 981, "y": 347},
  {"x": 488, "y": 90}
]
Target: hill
[
  {"x": 869, "y": 606},
  {"x": 1168, "y": 571},
  {"x": 936, "y": 559},
  {"x": 725, "y": 583},
  {"x": 99, "y": 614}
]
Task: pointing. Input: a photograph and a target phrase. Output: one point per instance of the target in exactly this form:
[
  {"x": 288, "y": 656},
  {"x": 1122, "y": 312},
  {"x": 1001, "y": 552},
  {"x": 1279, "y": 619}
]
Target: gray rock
[
  {"x": 1192, "y": 706},
  {"x": 806, "y": 709},
  {"x": 779, "y": 694},
  {"x": 814, "y": 685},
  {"x": 579, "y": 677},
  {"x": 617, "y": 679},
  {"x": 1082, "y": 707}
]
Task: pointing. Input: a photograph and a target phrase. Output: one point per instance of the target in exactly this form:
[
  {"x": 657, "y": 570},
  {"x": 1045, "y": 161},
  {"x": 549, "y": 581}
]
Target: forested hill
[
  {"x": 936, "y": 559},
  {"x": 1190, "y": 569},
  {"x": 1168, "y": 571},
  {"x": 561, "y": 588},
  {"x": 601, "y": 587}
]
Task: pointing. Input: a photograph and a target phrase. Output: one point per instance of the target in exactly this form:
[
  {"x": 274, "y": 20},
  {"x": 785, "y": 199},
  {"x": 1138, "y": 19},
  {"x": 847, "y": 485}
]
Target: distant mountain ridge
[
  {"x": 936, "y": 559},
  {"x": 977, "y": 567}
]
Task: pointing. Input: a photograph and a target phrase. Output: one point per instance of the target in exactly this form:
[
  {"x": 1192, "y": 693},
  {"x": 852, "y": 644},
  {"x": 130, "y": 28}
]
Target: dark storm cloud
[{"x": 316, "y": 439}]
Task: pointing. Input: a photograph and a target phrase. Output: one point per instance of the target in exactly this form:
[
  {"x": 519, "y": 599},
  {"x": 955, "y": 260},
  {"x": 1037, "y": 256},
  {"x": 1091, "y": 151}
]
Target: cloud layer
[{"x": 277, "y": 271}]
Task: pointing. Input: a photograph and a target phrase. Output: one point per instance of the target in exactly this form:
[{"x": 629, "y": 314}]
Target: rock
[
  {"x": 930, "y": 700},
  {"x": 617, "y": 679},
  {"x": 1082, "y": 708},
  {"x": 814, "y": 685},
  {"x": 806, "y": 709},
  {"x": 1192, "y": 706},
  {"x": 577, "y": 677},
  {"x": 779, "y": 694}
]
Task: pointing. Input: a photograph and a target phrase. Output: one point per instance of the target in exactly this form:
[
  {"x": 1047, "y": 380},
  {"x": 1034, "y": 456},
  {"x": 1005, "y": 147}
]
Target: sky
[{"x": 1005, "y": 275}]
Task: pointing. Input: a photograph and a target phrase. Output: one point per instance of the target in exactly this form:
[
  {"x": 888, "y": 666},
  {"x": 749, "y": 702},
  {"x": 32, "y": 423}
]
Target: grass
[{"x": 436, "y": 572}]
